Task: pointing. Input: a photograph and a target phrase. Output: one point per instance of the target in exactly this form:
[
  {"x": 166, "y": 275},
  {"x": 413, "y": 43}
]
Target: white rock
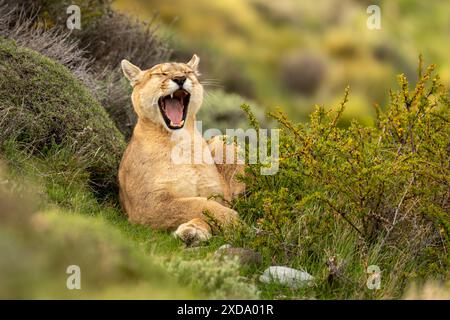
[
  {"x": 223, "y": 247},
  {"x": 286, "y": 276}
]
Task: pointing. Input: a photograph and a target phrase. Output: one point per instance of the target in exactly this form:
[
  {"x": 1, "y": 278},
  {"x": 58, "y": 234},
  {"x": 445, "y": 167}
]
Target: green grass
[
  {"x": 65, "y": 185},
  {"x": 40, "y": 239},
  {"x": 70, "y": 209}
]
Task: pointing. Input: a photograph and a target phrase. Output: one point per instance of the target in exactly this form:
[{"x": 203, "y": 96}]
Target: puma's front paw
[
  {"x": 193, "y": 232},
  {"x": 232, "y": 217}
]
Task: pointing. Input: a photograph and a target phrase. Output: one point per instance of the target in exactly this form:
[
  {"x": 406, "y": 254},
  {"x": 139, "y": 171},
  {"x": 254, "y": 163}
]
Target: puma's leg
[
  {"x": 194, "y": 231},
  {"x": 187, "y": 216},
  {"x": 228, "y": 166}
]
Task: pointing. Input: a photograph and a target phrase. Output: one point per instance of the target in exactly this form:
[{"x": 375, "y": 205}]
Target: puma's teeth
[
  {"x": 171, "y": 95},
  {"x": 176, "y": 125}
]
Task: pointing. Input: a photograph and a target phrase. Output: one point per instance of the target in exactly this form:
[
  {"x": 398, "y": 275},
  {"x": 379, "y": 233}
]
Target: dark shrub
[
  {"x": 42, "y": 105},
  {"x": 106, "y": 36},
  {"x": 303, "y": 72},
  {"x": 116, "y": 36},
  {"x": 93, "y": 53},
  {"x": 18, "y": 24},
  {"x": 130, "y": 39},
  {"x": 388, "y": 53},
  {"x": 234, "y": 80},
  {"x": 53, "y": 12}
]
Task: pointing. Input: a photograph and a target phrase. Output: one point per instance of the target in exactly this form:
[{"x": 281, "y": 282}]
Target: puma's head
[{"x": 168, "y": 94}]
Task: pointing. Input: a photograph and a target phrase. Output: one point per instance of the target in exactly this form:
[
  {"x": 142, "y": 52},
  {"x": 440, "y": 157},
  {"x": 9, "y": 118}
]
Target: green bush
[
  {"x": 43, "y": 105},
  {"x": 217, "y": 279},
  {"x": 375, "y": 194}
]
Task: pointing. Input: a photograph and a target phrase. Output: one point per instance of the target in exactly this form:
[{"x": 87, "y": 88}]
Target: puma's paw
[
  {"x": 193, "y": 232},
  {"x": 232, "y": 217}
]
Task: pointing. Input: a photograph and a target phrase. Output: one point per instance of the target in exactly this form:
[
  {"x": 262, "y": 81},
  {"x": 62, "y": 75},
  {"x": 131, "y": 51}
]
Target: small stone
[
  {"x": 193, "y": 248},
  {"x": 286, "y": 276},
  {"x": 223, "y": 247}
]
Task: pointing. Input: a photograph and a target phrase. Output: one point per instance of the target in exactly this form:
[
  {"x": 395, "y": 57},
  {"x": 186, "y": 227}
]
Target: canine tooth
[
  {"x": 176, "y": 125},
  {"x": 171, "y": 95}
]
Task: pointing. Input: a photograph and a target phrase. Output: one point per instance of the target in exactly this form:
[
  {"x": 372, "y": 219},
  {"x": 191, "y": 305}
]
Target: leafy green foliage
[{"x": 384, "y": 187}]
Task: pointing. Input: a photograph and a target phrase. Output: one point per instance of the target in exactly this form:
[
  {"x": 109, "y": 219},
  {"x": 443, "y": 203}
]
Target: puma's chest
[{"x": 195, "y": 181}]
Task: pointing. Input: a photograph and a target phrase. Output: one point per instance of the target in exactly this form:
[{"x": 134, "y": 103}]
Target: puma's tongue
[{"x": 174, "y": 110}]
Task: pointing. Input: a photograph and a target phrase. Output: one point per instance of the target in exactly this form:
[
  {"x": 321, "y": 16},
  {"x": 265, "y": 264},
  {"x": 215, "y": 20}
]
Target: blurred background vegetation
[{"x": 295, "y": 54}]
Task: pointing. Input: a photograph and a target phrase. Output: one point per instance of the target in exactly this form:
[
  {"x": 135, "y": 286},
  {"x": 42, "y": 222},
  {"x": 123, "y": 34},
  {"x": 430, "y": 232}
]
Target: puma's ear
[
  {"x": 193, "y": 63},
  {"x": 132, "y": 72}
]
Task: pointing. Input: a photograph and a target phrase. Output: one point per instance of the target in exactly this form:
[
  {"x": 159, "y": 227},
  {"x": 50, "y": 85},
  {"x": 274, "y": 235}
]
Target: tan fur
[{"x": 153, "y": 189}]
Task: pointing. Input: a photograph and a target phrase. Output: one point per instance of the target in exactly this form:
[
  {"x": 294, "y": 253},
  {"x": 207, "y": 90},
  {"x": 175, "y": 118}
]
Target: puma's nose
[{"x": 179, "y": 80}]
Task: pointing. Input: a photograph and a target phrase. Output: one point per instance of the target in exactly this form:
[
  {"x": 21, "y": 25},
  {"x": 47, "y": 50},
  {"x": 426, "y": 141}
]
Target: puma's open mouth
[{"x": 174, "y": 108}]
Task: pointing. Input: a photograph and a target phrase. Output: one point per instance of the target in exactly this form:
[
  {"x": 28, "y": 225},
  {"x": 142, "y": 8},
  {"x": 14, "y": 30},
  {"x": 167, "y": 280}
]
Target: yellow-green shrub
[{"x": 388, "y": 184}]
